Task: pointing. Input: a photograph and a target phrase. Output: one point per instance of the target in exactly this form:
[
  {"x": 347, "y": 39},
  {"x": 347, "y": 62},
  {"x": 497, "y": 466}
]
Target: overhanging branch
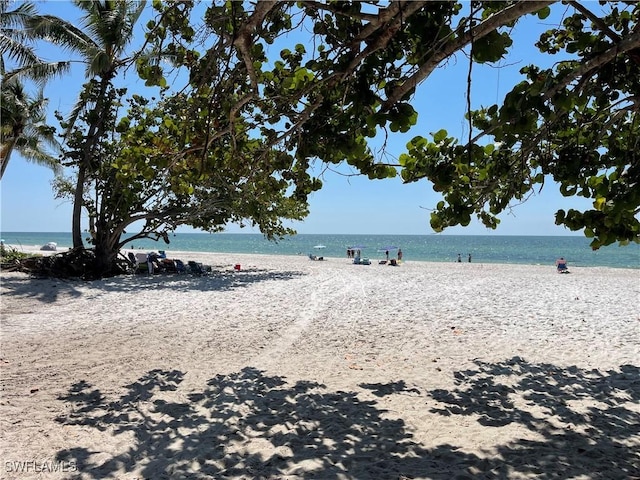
[{"x": 506, "y": 16}]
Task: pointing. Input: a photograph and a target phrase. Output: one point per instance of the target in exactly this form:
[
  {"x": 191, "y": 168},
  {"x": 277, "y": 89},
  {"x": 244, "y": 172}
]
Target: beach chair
[
  {"x": 180, "y": 266},
  {"x": 142, "y": 264},
  {"x": 168, "y": 265}
]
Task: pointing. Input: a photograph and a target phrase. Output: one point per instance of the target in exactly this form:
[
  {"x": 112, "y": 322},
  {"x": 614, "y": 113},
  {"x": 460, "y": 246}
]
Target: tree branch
[
  {"x": 506, "y": 16},
  {"x": 244, "y": 38},
  {"x": 372, "y": 18},
  {"x": 384, "y": 16},
  {"x": 395, "y": 19},
  {"x": 597, "y": 21},
  {"x": 626, "y": 45}
]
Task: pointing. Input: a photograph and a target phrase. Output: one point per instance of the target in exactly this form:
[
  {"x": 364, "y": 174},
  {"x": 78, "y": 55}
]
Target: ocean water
[{"x": 526, "y": 250}]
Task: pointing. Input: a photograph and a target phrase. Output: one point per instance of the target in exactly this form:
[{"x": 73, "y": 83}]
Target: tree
[
  {"x": 129, "y": 175},
  {"x": 23, "y": 115},
  {"x": 24, "y": 127},
  {"x": 140, "y": 179},
  {"x": 108, "y": 30},
  {"x": 576, "y": 123}
]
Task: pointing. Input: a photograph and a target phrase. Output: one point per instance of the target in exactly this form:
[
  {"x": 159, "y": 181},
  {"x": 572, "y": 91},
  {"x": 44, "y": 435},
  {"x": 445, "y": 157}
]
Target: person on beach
[
  {"x": 561, "y": 265},
  {"x": 399, "y": 254},
  {"x": 459, "y": 258},
  {"x": 469, "y": 258},
  {"x": 153, "y": 261},
  {"x": 387, "y": 253}
]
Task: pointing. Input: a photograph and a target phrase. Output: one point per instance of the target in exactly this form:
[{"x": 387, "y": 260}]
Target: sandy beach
[{"x": 298, "y": 369}]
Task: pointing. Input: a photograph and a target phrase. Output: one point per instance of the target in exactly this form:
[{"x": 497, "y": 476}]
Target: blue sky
[{"x": 346, "y": 204}]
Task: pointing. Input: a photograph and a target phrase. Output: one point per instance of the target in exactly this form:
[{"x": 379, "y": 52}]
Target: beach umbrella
[
  {"x": 319, "y": 246},
  {"x": 357, "y": 247}
]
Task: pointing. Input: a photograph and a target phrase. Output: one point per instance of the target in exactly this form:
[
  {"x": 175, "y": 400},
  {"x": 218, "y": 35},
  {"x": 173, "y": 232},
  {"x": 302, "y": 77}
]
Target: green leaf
[
  {"x": 440, "y": 135},
  {"x": 599, "y": 203},
  {"x": 544, "y": 13},
  {"x": 417, "y": 142}
]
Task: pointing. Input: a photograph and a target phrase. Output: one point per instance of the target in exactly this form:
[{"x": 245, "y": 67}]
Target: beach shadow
[
  {"x": 45, "y": 290},
  {"x": 49, "y": 290},
  {"x": 276, "y": 429},
  {"x": 252, "y": 425},
  {"x": 579, "y": 439},
  {"x": 384, "y": 389},
  {"x": 216, "y": 280}
]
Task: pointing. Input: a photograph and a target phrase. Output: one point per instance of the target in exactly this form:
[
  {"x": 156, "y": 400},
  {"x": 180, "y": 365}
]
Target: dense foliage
[{"x": 354, "y": 78}]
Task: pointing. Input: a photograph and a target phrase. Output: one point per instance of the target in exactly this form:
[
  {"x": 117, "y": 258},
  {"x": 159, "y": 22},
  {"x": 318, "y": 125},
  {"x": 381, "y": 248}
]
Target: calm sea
[{"x": 528, "y": 250}]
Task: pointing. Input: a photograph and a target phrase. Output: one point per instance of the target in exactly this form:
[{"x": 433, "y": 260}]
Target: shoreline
[
  {"x": 292, "y": 369},
  {"x": 186, "y": 255},
  {"x": 519, "y": 250}
]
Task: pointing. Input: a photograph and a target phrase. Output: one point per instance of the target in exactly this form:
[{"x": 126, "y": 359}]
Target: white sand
[{"x": 294, "y": 369}]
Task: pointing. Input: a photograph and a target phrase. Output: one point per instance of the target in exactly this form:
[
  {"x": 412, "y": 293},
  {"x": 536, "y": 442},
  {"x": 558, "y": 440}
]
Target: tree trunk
[
  {"x": 106, "y": 251},
  {"x": 91, "y": 140},
  {"x": 5, "y": 154},
  {"x": 76, "y": 227}
]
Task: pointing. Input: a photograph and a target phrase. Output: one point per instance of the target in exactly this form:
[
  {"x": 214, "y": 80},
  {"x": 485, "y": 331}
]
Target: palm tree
[
  {"x": 17, "y": 44},
  {"x": 23, "y": 118},
  {"x": 100, "y": 42},
  {"x": 23, "y": 127},
  {"x": 13, "y": 33}
]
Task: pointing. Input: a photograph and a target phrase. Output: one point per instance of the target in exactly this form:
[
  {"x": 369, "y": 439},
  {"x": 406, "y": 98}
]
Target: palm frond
[
  {"x": 39, "y": 72},
  {"x": 31, "y": 148},
  {"x": 24, "y": 127},
  {"x": 73, "y": 116},
  {"x": 15, "y": 49},
  {"x": 60, "y": 32},
  {"x": 16, "y": 18},
  {"x": 135, "y": 7}
]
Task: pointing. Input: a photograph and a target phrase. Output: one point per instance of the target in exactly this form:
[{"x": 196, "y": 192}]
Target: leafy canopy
[{"x": 354, "y": 75}]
